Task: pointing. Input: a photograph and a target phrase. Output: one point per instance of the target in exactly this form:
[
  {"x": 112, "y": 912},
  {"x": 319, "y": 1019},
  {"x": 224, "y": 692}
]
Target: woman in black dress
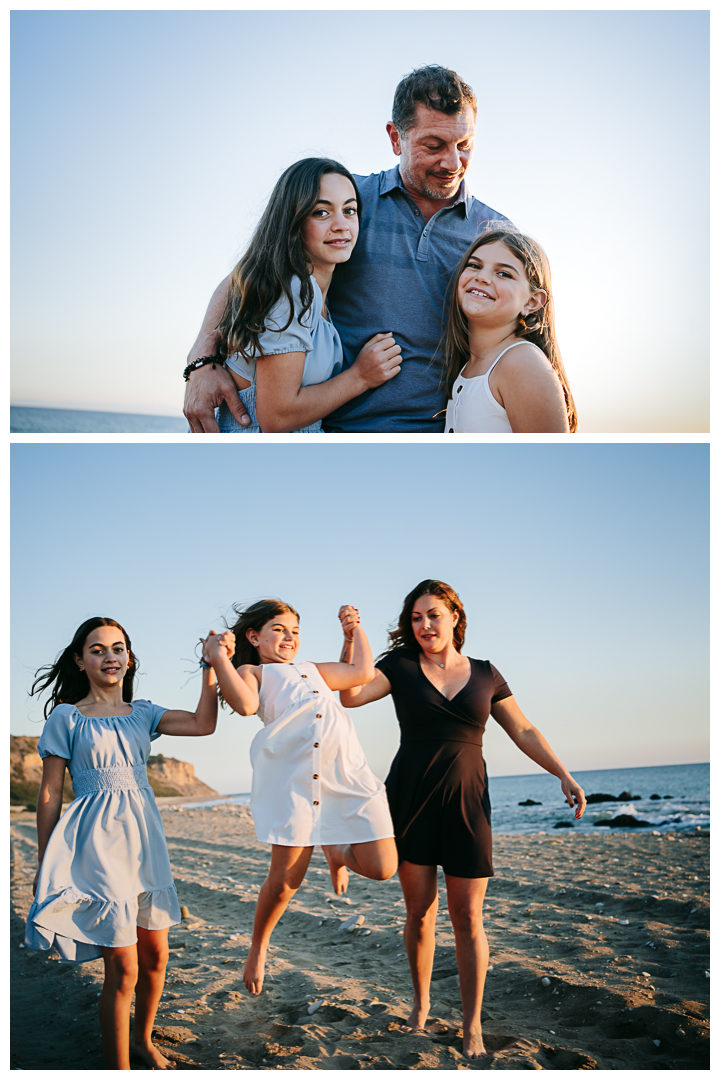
[{"x": 437, "y": 785}]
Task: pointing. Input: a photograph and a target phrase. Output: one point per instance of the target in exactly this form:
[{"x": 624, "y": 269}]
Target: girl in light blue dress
[
  {"x": 276, "y": 336},
  {"x": 104, "y": 885}
]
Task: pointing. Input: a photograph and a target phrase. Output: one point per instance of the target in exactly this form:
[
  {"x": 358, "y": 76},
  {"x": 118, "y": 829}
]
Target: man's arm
[{"x": 207, "y": 388}]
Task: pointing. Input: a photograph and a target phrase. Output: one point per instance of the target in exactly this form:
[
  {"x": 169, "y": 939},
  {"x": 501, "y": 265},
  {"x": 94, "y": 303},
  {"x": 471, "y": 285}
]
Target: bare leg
[
  {"x": 152, "y": 950},
  {"x": 121, "y": 972},
  {"x": 419, "y": 886},
  {"x": 465, "y": 904},
  {"x": 287, "y": 870},
  {"x": 376, "y": 859}
]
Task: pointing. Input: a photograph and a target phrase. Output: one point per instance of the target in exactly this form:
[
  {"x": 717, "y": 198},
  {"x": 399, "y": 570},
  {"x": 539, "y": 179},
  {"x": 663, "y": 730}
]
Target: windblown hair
[
  {"x": 538, "y": 327},
  {"x": 435, "y": 87},
  {"x": 69, "y": 683},
  {"x": 274, "y": 257},
  {"x": 254, "y": 617},
  {"x": 402, "y": 637}
]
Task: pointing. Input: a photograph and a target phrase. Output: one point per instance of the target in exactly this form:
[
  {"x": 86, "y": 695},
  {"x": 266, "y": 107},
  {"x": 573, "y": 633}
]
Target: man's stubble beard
[{"x": 421, "y": 185}]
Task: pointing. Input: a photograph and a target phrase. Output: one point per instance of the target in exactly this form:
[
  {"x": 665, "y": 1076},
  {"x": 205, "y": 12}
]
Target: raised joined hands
[
  {"x": 217, "y": 645},
  {"x": 349, "y": 617}
]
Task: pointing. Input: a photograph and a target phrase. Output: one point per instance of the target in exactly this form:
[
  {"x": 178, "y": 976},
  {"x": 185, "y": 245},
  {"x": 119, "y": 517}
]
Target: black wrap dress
[{"x": 437, "y": 785}]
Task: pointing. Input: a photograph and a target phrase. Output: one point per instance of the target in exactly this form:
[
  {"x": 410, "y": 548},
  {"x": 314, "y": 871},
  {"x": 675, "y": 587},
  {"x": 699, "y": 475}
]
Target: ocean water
[
  {"x": 54, "y": 421},
  {"x": 686, "y": 810}
]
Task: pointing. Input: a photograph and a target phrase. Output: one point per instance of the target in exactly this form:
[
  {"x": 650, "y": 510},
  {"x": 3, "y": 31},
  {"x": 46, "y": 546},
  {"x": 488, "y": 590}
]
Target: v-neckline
[{"x": 463, "y": 687}]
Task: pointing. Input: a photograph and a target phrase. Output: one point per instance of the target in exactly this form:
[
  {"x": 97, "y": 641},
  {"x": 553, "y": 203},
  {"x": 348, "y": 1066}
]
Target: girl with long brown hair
[
  {"x": 311, "y": 783},
  {"x": 503, "y": 370},
  {"x": 437, "y": 786},
  {"x": 276, "y": 336},
  {"x": 104, "y": 886}
]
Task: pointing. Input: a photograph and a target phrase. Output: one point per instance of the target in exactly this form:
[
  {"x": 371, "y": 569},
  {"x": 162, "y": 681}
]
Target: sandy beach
[{"x": 599, "y": 946}]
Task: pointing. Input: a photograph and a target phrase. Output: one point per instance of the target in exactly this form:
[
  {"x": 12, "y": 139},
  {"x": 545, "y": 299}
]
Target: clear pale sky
[
  {"x": 583, "y": 570},
  {"x": 145, "y": 144}
]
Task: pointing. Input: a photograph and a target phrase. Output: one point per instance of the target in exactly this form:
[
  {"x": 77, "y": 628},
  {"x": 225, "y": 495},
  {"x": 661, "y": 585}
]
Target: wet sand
[{"x": 618, "y": 923}]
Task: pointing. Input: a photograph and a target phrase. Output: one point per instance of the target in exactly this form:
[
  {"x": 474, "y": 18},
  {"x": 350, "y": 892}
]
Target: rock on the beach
[
  {"x": 352, "y": 923},
  {"x": 313, "y": 1007},
  {"x": 654, "y": 796},
  {"x": 529, "y": 802},
  {"x": 564, "y": 825},
  {"x": 624, "y": 821},
  {"x": 602, "y": 796},
  {"x": 545, "y": 981}
]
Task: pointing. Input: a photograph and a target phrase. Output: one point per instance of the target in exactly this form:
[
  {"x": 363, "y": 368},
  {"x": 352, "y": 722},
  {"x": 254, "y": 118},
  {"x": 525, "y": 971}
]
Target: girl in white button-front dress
[
  {"x": 104, "y": 886},
  {"x": 311, "y": 782}
]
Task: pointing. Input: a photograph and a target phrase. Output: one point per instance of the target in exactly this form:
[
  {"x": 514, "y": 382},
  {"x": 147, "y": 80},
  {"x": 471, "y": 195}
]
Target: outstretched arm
[
  {"x": 353, "y": 696},
  {"x": 239, "y": 686},
  {"x": 356, "y": 662},
  {"x": 201, "y": 722},
  {"x": 207, "y": 388},
  {"x": 532, "y": 743},
  {"x": 49, "y": 804}
]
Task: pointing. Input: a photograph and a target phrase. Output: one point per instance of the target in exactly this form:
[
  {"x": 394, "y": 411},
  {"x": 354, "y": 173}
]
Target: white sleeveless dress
[
  {"x": 472, "y": 406},
  {"x": 311, "y": 781}
]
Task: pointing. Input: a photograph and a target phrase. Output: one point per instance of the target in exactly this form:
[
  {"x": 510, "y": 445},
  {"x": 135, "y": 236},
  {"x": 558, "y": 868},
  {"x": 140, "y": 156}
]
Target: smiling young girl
[
  {"x": 275, "y": 333},
  {"x": 104, "y": 885},
  {"x": 311, "y": 782},
  {"x": 503, "y": 371}
]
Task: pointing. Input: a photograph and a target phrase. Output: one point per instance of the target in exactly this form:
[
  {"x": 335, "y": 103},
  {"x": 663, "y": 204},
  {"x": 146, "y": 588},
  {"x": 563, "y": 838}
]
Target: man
[{"x": 418, "y": 219}]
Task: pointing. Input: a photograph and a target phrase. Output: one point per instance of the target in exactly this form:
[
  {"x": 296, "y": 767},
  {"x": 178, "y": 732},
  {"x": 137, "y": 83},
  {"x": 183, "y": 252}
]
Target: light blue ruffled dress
[
  {"x": 106, "y": 869},
  {"x": 313, "y": 335}
]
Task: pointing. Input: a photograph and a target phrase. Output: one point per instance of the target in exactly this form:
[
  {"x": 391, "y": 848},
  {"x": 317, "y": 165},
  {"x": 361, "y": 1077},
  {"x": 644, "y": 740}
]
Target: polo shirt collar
[{"x": 390, "y": 180}]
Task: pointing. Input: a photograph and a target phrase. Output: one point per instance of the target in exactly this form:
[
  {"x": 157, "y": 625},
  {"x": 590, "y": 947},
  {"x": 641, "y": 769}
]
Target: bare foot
[
  {"x": 254, "y": 972},
  {"x": 339, "y": 874},
  {"x": 473, "y": 1045},
  {"x": 416, "y": 1019},
  {"x": 152, "y": 1056}
]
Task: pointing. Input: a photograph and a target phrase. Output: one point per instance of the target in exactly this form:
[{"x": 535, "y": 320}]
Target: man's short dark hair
[{"x": 434, "y": 86}]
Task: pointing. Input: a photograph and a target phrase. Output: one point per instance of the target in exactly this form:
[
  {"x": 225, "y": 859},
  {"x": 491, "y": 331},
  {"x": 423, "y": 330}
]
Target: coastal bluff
[{"x": 167, "y": 776}]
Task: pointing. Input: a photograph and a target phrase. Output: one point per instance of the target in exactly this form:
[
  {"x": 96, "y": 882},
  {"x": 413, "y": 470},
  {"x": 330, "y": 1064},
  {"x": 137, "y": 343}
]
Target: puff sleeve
[
  {"x": 153, "y": 715},
  {"x": 56, "y": 739},
  {"x": 298, "y": 336}
]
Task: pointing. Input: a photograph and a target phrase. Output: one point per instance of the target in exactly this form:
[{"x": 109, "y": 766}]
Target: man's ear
[{"x": 394, "y": 138}]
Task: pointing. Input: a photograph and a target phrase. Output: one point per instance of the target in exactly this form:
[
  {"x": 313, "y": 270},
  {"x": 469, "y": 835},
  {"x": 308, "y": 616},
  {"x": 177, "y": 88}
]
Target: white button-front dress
[{"x": 311, "y": 782}]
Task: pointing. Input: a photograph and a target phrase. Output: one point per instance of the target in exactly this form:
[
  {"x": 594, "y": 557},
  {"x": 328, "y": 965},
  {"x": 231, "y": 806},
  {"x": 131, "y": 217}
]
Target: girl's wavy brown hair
[
  {"x": 402, "y": 637},
  {"x": 254, "y": 617},
  {"x": 274, "y": 256},
  {"x": 70, "y": 684},
  {"x": 538, "y": 327}
]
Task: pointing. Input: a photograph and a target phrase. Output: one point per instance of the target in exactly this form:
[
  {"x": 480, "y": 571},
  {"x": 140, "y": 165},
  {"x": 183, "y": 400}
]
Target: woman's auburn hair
[
  {"x": 69, "y": 683},
  {"x": 275, "y": 255},
  {"x": 538, "y": 327},
  {"x": 402, "y": 636}
]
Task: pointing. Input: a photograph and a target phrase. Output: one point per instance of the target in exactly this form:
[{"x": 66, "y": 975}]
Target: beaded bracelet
[
  {"x": 201, "y": 362},
  {"x": 205, "y": 666}
]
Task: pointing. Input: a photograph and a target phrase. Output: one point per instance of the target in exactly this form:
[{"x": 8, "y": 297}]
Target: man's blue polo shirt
[{"x": 396, "y": 280}]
